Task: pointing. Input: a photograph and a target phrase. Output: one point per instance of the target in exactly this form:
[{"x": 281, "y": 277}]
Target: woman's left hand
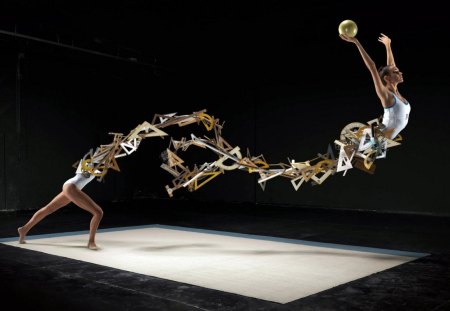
[{"x": 384, "y": 39}]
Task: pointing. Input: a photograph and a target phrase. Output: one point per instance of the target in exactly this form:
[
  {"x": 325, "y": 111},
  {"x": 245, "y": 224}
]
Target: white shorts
[{"x": 79, "y": 180}]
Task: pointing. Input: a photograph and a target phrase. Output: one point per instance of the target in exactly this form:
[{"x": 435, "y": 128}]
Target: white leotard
[
  {"x": 80, "y": 179},
  {"x": 396, "y": 117}
]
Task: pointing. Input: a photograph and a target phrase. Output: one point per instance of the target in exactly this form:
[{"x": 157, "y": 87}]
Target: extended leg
[{"x": 59, "y": 201}]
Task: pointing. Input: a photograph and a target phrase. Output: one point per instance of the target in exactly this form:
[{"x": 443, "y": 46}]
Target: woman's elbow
[{"x": 372, "y": 65}]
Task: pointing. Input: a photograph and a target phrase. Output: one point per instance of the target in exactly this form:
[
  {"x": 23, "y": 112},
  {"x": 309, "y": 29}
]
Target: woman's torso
[{"x": 396, "y": 116}]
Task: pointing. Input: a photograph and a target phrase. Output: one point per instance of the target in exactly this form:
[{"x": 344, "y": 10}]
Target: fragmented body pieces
[{"x": 359, "y": 145}]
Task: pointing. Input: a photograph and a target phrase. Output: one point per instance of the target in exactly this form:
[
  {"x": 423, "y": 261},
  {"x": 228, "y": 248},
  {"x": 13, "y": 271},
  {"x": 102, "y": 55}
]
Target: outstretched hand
[
  {"x": 348, "y": 39},
  {"x": 384, "y": 39}
]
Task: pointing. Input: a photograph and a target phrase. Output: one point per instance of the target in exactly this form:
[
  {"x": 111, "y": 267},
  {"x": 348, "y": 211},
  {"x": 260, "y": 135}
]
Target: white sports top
[{"x": 396, "y": 117}]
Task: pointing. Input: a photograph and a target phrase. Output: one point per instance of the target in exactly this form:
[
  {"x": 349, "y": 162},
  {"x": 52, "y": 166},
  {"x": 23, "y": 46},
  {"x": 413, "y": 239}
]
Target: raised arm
[
  {"x": 381, "y": 90},
  {"x": 387, "y": 43}
]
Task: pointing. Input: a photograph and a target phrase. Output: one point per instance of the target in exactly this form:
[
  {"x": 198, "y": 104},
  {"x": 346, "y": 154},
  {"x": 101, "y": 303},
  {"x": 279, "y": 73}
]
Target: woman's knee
[{"x": 97, "y": 212}]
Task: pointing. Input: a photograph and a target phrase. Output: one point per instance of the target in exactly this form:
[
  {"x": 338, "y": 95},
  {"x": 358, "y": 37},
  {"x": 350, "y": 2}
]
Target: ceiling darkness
[{"x": 244, "y": 41}]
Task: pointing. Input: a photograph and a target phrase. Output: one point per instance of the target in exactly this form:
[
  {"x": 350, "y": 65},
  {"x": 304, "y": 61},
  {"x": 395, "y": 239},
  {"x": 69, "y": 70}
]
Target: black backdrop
[{"x": 278, "y": 74}]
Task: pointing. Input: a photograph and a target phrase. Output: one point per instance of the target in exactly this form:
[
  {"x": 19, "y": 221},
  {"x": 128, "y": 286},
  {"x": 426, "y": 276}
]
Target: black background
[{"x": 277, "y": 73}]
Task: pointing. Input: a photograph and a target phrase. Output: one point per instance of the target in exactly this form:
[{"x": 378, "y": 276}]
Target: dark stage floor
[{"x": 39, "y": 281}]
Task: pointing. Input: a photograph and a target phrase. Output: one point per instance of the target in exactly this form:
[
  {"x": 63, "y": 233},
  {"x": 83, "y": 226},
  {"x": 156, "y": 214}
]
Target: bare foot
[
  {"x": 21, "y": 235},
  {"x": 92, "y": 246}
]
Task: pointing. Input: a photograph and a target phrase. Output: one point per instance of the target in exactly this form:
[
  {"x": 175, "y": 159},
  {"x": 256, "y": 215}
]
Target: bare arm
[
  {"x": 387, "y": 43},
  {"x": 381, "y": 90}
]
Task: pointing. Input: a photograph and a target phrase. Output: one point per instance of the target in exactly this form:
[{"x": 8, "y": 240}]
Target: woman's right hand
[{"x": 348, "y": 39}]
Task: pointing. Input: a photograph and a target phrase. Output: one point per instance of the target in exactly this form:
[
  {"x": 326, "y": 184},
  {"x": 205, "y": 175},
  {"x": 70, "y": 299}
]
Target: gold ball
[{"x": 348, "y": 28}]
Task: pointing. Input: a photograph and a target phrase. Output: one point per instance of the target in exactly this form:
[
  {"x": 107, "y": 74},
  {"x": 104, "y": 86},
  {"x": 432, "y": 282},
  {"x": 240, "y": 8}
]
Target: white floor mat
[{"x": 273, "y": 269}]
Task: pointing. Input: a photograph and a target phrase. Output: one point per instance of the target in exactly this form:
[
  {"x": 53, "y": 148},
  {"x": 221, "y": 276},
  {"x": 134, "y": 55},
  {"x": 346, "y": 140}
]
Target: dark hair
[{"x": 382, "y": 72}]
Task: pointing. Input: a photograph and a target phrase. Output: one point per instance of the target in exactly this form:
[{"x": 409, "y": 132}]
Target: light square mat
[{"x": 268, "y": 268}]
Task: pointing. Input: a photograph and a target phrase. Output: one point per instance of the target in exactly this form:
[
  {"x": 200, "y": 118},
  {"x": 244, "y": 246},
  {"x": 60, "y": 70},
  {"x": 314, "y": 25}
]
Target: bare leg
[
  {"x": 82, "y": 200},
  {"x": 59, "y": 201}
]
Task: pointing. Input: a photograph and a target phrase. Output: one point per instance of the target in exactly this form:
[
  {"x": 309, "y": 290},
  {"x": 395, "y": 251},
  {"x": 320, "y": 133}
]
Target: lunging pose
[{"x": 71, "y": 192}]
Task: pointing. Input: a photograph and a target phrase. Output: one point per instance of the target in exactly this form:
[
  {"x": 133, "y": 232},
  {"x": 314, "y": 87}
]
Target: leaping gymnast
[{"x": 386, "y": 80}]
